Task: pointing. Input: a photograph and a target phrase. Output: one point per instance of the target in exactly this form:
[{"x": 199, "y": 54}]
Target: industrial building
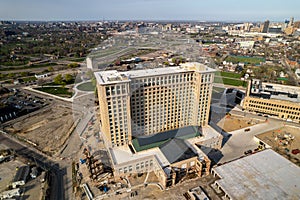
[
  {"x": 157, "y": 120},
  {"x": 273, "y": 99},
  {"x": 263, "y": 175}
]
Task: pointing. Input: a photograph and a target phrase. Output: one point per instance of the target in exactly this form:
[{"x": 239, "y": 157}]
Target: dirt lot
[
  {"x": 48, "y": 129},
  {"x": 233, "y": 122},
  {"x": 281, "y": 141},
  {"x": 176, "y": 192}
]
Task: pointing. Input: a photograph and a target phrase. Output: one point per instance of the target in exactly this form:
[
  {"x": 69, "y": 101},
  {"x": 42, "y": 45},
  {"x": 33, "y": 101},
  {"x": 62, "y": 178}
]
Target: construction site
[
  {"x": 93, "y": 176},
  {"x": 46, "y": 129},
  {"x": 285, "y": 141},
  {"x": 233, "y": 122}
]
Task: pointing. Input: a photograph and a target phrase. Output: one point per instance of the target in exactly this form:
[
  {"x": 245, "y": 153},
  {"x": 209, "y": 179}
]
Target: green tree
[
  {"x": 58, "y": 79},
  {"x": 11, "y": 75},
  {"x": 68, "y": 78},
  {"x": 50, "y": 69},
  {"x": 89, "y": 74},
  {"x": 24, "y": 74},
  {"x": 73, "y": 65}
]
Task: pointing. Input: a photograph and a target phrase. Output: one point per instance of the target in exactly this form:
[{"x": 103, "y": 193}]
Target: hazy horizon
[{"x": 149, "y": 10}]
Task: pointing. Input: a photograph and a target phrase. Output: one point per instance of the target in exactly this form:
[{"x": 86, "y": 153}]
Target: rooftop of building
[
  {"x": 123, "y": 154},
  {"x": 167, "y": 150},
  {"x": 114, "y": 76},
  {"x": 159, "y": 139},
  {"x": 264, "y": 175},
  {"x": 176, "y": 150},
  {"x": 22, "y": 173},
  {"x": 275, "y": 91}
]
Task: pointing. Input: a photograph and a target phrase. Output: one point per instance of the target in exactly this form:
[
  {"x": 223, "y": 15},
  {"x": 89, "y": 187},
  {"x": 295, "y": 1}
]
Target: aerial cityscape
[{"x": 149, "y": 100}]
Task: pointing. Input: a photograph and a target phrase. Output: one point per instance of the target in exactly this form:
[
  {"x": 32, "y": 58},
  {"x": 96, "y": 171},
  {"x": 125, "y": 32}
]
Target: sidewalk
[{"x": 50, "y": 95}]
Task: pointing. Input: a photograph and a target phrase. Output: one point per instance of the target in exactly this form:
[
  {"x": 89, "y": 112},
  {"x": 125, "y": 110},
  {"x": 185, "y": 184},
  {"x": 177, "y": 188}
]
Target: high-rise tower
[{"x": 150, "y": 101}]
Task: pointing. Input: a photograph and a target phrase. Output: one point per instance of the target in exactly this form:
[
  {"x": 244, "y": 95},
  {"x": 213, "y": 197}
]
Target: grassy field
[
  {"x": 27, "y": 66},
  {"x": 76, "y": 59},
  {"x": 245, "y": 59},
  {"x": 29, "y": 78},
  {"x": 59, "y": 91},
  {"x": 228, "y": 81},
  {"x": 231, "y": 75},
  {"x": 88, "y": 87},
  {"x": 60, "y": 84}
]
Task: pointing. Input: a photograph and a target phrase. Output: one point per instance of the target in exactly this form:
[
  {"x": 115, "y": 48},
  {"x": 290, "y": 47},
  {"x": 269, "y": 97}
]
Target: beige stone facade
[
  {"x": 145, "y": 102},
  {"x": 154, "y": 101},
  {"x": 273, "y": 99}
]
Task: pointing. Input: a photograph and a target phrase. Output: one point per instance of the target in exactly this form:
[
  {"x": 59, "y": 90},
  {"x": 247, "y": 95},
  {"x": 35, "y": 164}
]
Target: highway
[{"x": 57, "y": 190}]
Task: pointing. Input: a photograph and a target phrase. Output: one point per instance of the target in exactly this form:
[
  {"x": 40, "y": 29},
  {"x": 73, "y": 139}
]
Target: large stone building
[
  {"x": 273, "y": 99},
  {"x": 146, "y": 102},
  {"x": 157, "y": 120}
]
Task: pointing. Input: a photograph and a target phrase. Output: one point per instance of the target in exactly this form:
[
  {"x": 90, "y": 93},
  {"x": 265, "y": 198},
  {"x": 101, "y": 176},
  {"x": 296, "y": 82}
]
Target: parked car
[{"x": 248, "y": 152}]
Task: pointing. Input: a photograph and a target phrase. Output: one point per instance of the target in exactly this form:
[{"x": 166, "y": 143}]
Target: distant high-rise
[
  {"x": 265, "y": 27},
  {"x": 291, "y": 21}
]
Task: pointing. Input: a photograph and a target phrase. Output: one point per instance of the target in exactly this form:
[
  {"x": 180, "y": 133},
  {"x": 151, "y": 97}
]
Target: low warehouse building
[{"x": 263, "y": 175}]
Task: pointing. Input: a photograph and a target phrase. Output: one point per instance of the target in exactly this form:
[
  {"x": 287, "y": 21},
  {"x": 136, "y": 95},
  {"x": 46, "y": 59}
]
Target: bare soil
[
  {"x": 233, "y": 122},
  {"x": 47, "y": 130},
  {"x": 281, "y": 141}
]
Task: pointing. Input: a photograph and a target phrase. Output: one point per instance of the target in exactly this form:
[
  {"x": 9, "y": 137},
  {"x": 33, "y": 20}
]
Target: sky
[{"x": 200, "y": 10}]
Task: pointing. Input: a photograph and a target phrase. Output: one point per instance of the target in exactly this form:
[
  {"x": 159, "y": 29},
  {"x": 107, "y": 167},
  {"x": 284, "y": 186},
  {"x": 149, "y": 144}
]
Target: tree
[
  {"x": 90, "y": 74},
  {"x": 73, "y": 65},
  {"x": 50, "y": 69},
  {"x": 58, "y": 79},
  {"x": 24, "y": 73},
  {"x": 68, "y": 78}
]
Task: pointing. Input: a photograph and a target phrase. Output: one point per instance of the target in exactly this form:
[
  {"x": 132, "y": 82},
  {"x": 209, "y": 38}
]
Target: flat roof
[
  {"x": 148, "y": 142},
  {"x": 22, "y": 173},
  {"x": 123, "y": 154},
  {"x": 277, "y": 91},
  {"x": 263, "y": 175},
  {"x": 177, "y": 150},
  {"x": 114, "y": 76},
  {"x": 168, "y": 150}
]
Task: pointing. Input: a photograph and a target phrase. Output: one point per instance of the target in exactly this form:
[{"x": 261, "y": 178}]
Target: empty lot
[{"x": 48, "y": 129}]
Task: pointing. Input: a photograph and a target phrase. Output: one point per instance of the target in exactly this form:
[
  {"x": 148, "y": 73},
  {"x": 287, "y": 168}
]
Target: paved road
[{"x": 240, "y": 141}]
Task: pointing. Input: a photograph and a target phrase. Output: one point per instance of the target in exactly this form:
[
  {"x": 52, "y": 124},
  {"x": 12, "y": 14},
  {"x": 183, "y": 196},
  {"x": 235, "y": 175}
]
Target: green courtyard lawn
[
  {"x": 58, "y": 91},
  {"x": 87, "y": 87}
]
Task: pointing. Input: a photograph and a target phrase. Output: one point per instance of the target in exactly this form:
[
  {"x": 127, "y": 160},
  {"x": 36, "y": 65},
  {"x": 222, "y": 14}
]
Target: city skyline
[{"x": 230, "y": 10}]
